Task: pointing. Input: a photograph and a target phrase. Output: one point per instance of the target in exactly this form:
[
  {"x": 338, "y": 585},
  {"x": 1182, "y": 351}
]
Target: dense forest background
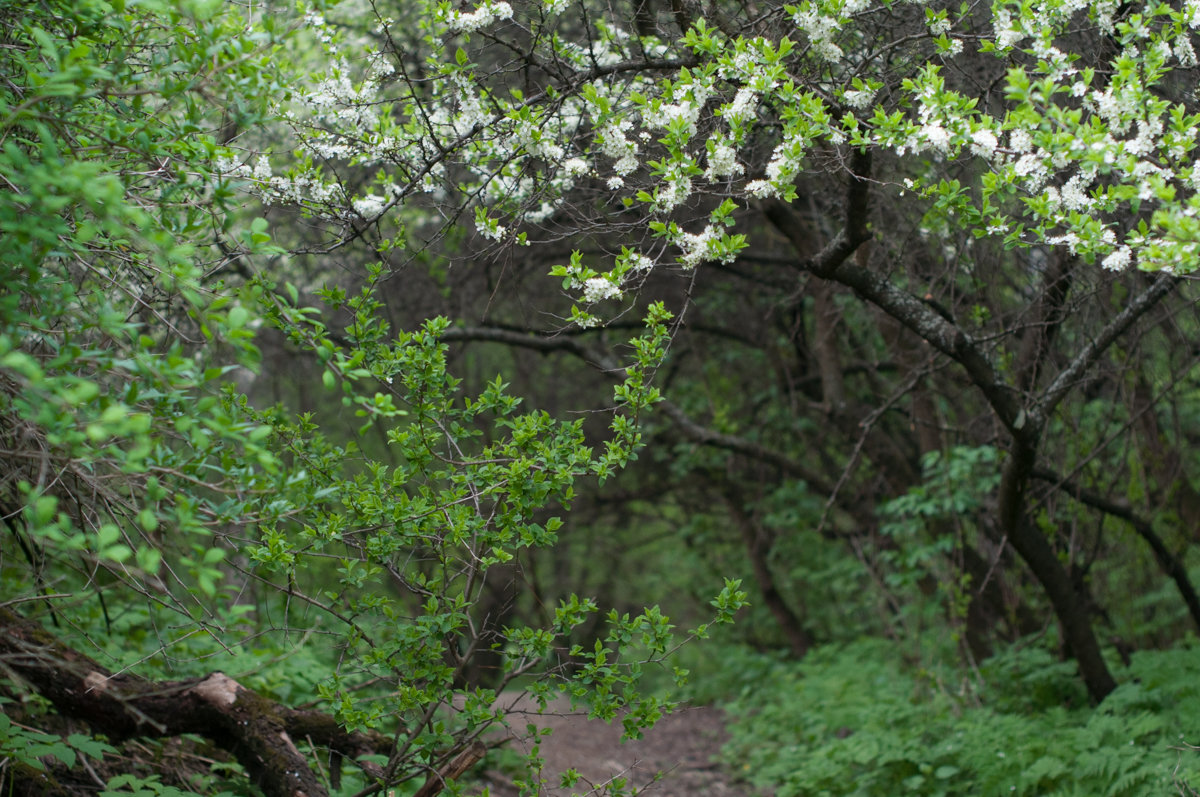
[{"x": 365, "y": 365}]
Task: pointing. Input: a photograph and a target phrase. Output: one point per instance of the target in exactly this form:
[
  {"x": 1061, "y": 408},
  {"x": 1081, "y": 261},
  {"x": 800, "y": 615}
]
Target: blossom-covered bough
[{"x": 657, "y": 137}]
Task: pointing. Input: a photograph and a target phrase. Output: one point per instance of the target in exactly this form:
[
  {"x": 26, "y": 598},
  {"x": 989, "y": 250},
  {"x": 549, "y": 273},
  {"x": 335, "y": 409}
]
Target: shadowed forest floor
[{"x": 684, "y": 747}]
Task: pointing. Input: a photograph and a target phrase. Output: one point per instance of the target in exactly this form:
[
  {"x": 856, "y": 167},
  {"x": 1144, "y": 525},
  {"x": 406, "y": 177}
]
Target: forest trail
[{"x": 684, "y": 747}]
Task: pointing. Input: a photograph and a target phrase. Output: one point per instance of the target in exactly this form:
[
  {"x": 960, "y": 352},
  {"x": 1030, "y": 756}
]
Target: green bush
[{"x": 855, "y": 720}]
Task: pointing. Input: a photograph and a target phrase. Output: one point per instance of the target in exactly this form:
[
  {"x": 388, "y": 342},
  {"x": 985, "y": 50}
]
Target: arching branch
[{"x": 257, "y": 731}]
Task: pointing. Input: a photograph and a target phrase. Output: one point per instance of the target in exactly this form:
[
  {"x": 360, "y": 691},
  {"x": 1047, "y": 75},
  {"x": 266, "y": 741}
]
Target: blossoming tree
[
  {"x": 178, "y": 562},
  {"x": 661, "y": 138},
  {"x": 1000, "y": 198}
]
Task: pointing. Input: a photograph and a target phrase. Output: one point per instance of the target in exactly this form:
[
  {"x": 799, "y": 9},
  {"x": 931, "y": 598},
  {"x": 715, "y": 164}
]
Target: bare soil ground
[{"x": 682, "y": 747}]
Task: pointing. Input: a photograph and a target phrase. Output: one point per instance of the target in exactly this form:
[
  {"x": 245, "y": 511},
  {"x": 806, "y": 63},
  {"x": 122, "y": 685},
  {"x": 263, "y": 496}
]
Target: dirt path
[{"x": 684, "y": 747}]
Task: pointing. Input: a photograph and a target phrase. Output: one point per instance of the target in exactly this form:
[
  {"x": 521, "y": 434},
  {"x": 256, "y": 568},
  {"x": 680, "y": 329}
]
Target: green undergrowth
[{"x": 855, "y": 719}]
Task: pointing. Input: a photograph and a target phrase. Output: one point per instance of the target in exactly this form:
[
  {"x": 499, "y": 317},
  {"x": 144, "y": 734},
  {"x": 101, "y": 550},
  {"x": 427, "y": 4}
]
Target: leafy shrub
[{"x": 855, "y": 720}]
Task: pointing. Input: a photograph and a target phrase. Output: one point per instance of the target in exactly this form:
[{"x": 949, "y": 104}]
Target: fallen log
[{"x": 258, "y": 732}]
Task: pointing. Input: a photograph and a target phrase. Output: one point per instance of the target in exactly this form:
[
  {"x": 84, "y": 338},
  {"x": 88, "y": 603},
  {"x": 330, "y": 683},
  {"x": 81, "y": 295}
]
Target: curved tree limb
[
  {"x": 1049, "y": 316},
  {"x": 833, "y": 263},
  {"x": 758, "y": 549},
  {"x": 1091, "y": 351},
  {"x": 1025, "y": 426},
  {"x": 1170, "y": 564},
  {"x": 739, "y": 445},
  {"x": 690, "y": 428},
  {"x": 531, "y": 340},
  {"x": 257, "y": 731}
]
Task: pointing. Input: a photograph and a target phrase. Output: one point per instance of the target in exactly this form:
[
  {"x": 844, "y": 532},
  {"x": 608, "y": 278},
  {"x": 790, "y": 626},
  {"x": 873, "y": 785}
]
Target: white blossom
[
  {"x": 722, "y": 161},
  {"x": 696, "y": 247},
  {"x": 820, "y": 29},
  {"x": 575, "y": 167},
  {"x": 598, "y": 289},
  {"x": 674, "y": 193},
  {"x": 369, "y": 206},
  {"x": 229, "y": 166},
  {"x": 490, "y": 228},
  {"x": 761, "y": 189},
  {"x": 640, "y": 262},
  {"x": 984, "y": 143},
  {"x": 1070, "y": 240},
  {"x": 1118, "y": 259},
  {"x": 1074, "y": 193},
  {"x": 936, "y": 137},
  {"x": 615, "y": 145},
  {"x": 481, "y": 17},
  {"x": 858, "y": 99},
  {"x": 262, "y": 169},
  {"x": 1007, "y": 35},
  {"x": 1191, "y": 10},
  {"x": 743, "y": 107},
  {"x": 1032, "y": 167}
]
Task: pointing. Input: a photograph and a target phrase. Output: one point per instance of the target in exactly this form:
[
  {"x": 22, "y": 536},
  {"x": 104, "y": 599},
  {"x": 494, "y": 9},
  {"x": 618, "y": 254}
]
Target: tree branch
[
  {"x": 531, "y": 340},
  {"x": 258, "y": 732},
  {"x": 1170, "y": 564},
  {"x": 739, "y": 445},
  {"x": 690, "y": 428},
  {"x": 833, "y": 263},
  {"x": 1092, "y": 350}
]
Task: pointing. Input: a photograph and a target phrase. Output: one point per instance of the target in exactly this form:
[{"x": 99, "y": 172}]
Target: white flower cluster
[
  {"x": 302, "y": 190},
  {"x": 470, "y": 113},
  {"x": 598, "y": 289},
  {"x": 1118, "y": 260},
  {"x": 697, "y": 248},
  {"x": 858, "y": 99},
  {"x": 935, "y": 137},
  {"x": 536, "y": 142},
  {"x": 369, "y": 206},
  {"x": 722, "y": 160},
  {"x": 1032, "y": 167},
  {"x": 744, "y": 106},
  {"x": 783, "y": 167},
  {"x": 667, "y": 114},
  {"x": 673, "y": 192},
  {"x": 489, "y": 227},
  {"x": 617, "y": 146},
  {"x": 639, "y": 262},
  {"x": 1009, "y": 33},
  {"x": 1116, "y": 107},
  {"x": 821, "y": 24},
  {"x": 1074, "y": 196},
  {"x": 316, "y": 21},
  {"x": 984, "y": 143},
  {"x": 481, "y": 17}
]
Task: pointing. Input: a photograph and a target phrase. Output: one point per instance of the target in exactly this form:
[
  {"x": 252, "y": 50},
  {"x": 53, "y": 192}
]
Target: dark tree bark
[
  {"x": 1034, "y": 548},
  {"x": 1169, "y": 562},
  {"x": 758, "y": 550},
  {"x": 258, "y": 732},
  {"x": 1025, "y": 419}
]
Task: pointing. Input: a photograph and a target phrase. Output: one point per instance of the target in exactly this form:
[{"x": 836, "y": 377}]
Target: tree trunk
[
  {"x": 1035, "y": 549},
  {"x": 758, "y": 550},
  {"x": 258, "y": 732}
]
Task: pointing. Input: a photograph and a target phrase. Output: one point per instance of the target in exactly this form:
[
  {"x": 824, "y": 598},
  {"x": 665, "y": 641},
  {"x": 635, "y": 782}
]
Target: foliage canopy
[{"x": 920, "y": 269}]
